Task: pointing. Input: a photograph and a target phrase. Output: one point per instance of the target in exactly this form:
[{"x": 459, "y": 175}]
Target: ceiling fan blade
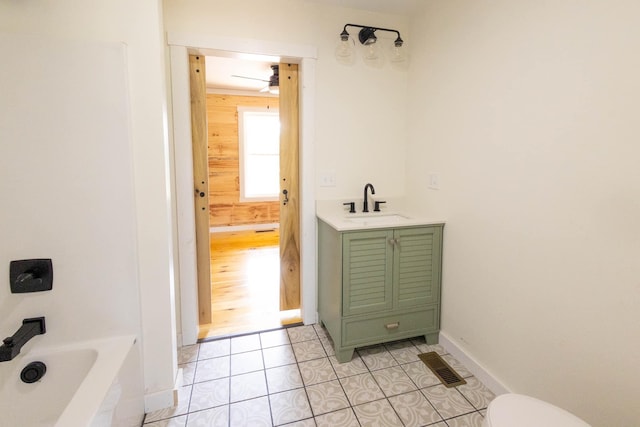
[{"x": 250, "y": 78}]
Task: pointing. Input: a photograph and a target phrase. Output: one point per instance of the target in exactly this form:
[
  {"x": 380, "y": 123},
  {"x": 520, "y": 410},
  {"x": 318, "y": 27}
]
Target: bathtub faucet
[{"x": 11, "y": 345}]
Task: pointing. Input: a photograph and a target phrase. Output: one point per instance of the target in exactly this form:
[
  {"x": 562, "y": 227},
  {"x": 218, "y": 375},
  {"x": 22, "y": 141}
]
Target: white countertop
[{"x": 393, "y": 214}]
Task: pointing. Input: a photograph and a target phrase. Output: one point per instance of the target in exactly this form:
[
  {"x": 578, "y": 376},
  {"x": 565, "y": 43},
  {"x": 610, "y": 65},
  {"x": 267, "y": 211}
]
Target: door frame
[{"x": 180, "y": 46}]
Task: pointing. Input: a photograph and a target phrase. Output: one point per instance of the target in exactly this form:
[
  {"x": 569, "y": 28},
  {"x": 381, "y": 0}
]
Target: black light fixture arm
[{"x": 367, "y": 32}]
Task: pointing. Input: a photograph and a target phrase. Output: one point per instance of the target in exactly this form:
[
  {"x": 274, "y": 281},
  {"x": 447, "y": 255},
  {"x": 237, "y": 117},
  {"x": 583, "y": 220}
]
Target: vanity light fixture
[{"x": 345, "y": 51}]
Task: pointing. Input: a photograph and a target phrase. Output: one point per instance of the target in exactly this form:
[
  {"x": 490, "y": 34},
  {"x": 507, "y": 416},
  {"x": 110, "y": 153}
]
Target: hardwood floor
[{"x": 245, "y": 284}]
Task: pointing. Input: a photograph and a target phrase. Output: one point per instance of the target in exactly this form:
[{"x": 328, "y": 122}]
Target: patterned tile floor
[{"x": 290, "y": 377}]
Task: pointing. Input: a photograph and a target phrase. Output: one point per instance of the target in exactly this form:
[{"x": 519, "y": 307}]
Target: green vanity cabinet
[{"x": 379, "y": 285}]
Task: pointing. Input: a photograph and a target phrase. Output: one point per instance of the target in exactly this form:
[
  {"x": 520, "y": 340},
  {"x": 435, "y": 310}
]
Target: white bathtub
[{"x": 85, "y": 384}]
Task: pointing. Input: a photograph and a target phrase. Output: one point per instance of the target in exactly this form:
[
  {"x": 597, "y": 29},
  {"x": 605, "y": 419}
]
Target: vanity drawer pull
[{"x": 395, "y": 325}]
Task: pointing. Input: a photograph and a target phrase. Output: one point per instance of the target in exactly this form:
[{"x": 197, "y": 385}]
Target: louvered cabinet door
[
  {"x": 417, "y": 253},
  {"x": 367, "y": 272}
]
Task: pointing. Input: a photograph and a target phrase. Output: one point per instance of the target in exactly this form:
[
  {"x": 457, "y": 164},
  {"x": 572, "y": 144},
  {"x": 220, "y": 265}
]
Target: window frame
[{"x": 241, "y": 154}]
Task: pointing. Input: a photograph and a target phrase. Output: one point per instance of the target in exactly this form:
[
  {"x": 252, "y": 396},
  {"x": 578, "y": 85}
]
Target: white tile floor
[{"x": 291, "y": 377}]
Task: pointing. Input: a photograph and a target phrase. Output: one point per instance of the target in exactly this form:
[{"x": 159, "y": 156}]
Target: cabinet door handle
[
  {"x": 393, "y": 242},
  {"x": 390, "y": 326}
]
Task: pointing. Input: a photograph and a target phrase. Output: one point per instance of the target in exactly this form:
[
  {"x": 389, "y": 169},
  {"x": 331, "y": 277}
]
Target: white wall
[
  {"x": 139, "y": 25},
  {"x": 529, "y": 113},
  {"x": 359, "y": 111},
  {"x": 67, "y": 186}
]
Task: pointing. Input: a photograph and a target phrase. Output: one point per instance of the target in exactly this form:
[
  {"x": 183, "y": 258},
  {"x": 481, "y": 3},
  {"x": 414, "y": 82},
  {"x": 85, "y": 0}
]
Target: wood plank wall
[{"x": 225, "y": 207}]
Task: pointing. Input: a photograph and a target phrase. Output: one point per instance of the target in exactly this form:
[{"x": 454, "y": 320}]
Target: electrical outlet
[{"x": 434, "y": 181}]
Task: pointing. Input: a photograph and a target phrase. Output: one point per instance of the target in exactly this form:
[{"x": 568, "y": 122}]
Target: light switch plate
[
  {"x": 328, "y": 179},
  {"x": 434, "y": 181}
]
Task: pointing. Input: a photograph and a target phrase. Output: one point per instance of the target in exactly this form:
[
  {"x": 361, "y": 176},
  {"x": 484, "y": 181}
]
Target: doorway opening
[
  {"x": 244, "y": 231},
  {"x": 182, "y": 47}
]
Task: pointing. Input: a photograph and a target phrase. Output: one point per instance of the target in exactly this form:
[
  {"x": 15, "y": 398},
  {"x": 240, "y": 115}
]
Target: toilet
[{"x": 517, "y": 410}]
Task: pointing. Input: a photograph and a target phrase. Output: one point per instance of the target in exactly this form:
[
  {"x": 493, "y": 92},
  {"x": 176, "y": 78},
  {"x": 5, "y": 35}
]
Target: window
[{"x": 259, "y": 137}]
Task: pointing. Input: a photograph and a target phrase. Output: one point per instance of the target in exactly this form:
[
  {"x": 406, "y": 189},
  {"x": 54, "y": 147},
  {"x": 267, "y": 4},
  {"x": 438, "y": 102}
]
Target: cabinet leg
[
  {"x": 344, "y": 355},
  {"x": 431, "y": 338}
]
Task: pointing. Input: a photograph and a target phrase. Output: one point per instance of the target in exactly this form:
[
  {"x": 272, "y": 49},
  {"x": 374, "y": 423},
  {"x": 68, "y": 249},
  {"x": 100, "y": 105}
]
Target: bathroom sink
[
  {"x": 395, "y": 214},
  {"x": 389, "y": 219}
]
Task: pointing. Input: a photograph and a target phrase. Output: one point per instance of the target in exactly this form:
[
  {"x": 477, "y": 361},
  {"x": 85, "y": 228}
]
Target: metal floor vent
[{"x": 441, "y": 369}]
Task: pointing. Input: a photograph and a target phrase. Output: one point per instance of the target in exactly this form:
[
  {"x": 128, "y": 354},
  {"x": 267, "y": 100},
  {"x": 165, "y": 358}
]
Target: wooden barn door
[
  {"x": 289, "y": 189},
  {"x": 201, "y": 183}
]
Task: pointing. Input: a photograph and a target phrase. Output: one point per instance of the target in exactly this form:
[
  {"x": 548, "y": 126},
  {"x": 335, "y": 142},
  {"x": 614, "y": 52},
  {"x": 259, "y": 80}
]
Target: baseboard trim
[
  {"x": 159, "y": 400},
  {"x": 165, "y": 398},
  {"x": 479, "y": 371},
  {"x": 247, "y": 227}
]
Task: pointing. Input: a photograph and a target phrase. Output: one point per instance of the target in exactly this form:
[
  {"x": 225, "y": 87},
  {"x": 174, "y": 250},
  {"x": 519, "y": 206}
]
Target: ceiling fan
[{"x": 273, "y": 84}]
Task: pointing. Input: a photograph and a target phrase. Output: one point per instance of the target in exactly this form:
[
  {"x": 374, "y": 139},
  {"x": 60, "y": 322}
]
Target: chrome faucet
[
  {"x": 11, "y": 345},
  {"x": 365, "y": 207}
]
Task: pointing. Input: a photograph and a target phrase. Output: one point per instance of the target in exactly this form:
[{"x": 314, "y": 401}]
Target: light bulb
[
  {"x": 397, "y": 54},
  {"x": 343, "y": 49},
  {"x": 371, "y": 51}
]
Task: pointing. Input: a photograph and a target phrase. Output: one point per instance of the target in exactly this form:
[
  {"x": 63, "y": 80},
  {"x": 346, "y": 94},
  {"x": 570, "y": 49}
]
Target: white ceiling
[{"x": 220, "y": 71}]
